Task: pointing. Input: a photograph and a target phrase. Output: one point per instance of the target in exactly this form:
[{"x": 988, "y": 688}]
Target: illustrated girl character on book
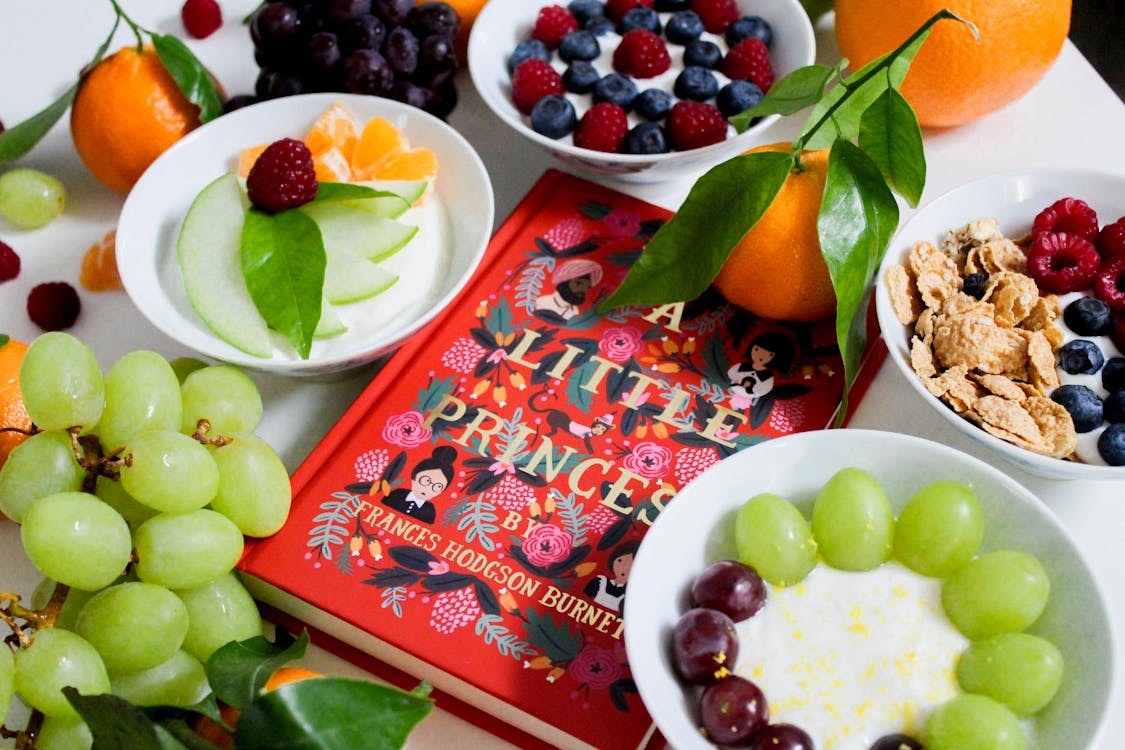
[
  {"x": 609, "y": 591},
  {"x": 430, "y": 477},
  {"x": 573, "y": 280},
  {"x": 753, "y": 378}
]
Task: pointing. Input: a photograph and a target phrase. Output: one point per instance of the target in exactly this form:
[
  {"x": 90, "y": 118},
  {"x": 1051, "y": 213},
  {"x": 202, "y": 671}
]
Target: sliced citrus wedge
[
  {"x": 247, "y": 157},
  {"x": 334, "y": 129},
  {"x": 379, "y": 140},
  {"x": 332, "y": 166}
]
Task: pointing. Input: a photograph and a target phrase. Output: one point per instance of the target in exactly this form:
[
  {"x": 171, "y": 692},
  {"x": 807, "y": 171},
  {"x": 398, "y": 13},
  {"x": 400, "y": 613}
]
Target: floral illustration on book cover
[{"x": 494, "y": 497}]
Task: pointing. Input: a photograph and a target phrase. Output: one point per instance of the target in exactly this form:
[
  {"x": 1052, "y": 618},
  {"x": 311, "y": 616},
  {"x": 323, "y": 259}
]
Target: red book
[{"x": 471, "y": 519}]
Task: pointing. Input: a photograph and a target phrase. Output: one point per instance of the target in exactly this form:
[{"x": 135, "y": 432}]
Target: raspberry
[
  {"x": 201, "y": 17},
  {"x": 282, "y": 177},
  {"x": 716, "y": 14},
  {"x": 53, "y": 306},
  {"x": 1109, "y": 286},
  {"x": 749, "y": 60},
  {"x": 695, "y": 124},
  {"x": 602, "y": 128},
  {"x": 1061, "y": 262},
  {"x": 9, "y": 262},
  {"x": 1069, "y": 215},
  {"x": 533, "y": 80},
  {"x": 615, "y": 10},
  {"x": 552, "y": 24},
  {"x": 641, "y": 54},
  {"x": 1111, "y": 240}
]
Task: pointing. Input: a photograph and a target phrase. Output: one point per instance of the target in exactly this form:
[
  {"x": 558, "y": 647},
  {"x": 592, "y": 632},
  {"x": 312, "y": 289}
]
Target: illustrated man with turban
[{"x": 573, "y": 280}]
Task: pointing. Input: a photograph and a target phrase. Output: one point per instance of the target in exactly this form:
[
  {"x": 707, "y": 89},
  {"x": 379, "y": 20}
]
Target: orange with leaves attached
[{"x": 14, "y": 420}]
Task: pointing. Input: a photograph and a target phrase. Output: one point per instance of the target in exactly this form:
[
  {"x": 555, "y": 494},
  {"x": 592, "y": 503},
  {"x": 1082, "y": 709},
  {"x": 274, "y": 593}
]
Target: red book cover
[{"x": 472, "y": 518}]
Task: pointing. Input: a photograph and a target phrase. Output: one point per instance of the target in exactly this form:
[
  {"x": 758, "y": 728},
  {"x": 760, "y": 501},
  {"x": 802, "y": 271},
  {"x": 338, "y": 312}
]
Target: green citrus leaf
[
  {"x": 4, "y": 339},
  {"x": 19, "y": 139},
  {"x": 191, "y": 77},
  {"x": 283, "y": 261},
  {"x": 114, "y": 722},
  {"x": 331, "y": 713},
  {"x": 686, "y": 253},
  {"x": 801, "y": 88},
  {"x": 347, "y": 191},
  {"x": 890, "y": 134},
  {"x": 239, "y": 670},
  {"x": 858, "y": 216}
]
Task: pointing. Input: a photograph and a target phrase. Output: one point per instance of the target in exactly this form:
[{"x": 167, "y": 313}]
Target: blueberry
[
  {"x": 749, "y": 26},
  {"x": 579, "y": 45},
  {"x": 1111, "y": 445},
  {"x": 616, "y": 88},
  {"x": 584, "y": 10},
  {"x": 683, "y": 27},
  {"x": 1083, "y": 404},
  {"x": 696, "y": 82},
  {"x": 526, "y": 50},
  {"x": 600, "y": 26},
  {"x": 653, "y": 104},
  {"x": 737, "y": 96},
  {"x": 646, "y": 138},
  {"x": 671, "y": 6},
  {"x": 639, "y": 18},
  {"x": 703, "y": 53},
  {"x": 553, "y": 116},
  {"x": 1114, "y": 407},
  {"x": 580, "y": 77},
  {"x": 1088, "y": 316},
  {"x": 974, "y": 284},
  {"x": 1113, "y": 374},
  {"x": 1081, "y": 357}
]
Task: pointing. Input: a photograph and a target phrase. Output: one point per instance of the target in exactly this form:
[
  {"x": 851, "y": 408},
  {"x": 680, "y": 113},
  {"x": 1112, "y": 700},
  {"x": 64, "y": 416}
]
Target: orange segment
[
  {"x": 415, "y": 164},
  {"x": 335, "y": 128},
  {"x": 379, "y": 140},
  {"x": 247, "y": 157},
  {"x": 332, "y": 166},
  {"x": 99, "y": 265}
]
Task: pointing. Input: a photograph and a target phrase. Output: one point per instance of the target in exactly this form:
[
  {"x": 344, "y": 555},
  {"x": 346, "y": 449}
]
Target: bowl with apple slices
[{"x": 402, "y": 215}]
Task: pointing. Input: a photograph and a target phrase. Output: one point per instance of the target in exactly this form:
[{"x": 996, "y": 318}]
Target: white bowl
[
  {"x": 502, "y": 24},
  {"x": 155, "y": 208},
  {"x": 695, "y": 529},
  {"x": 1013, "y": 199}
]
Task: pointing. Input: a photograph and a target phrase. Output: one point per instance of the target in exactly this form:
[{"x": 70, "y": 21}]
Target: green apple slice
[
  {"x": 208, "y": 250},
  {"x": 350, "y": 278},
  {"x": 389, "y": 207},
  {"x": 354, "y": 230},
  {"x": 329, "y": 324}
]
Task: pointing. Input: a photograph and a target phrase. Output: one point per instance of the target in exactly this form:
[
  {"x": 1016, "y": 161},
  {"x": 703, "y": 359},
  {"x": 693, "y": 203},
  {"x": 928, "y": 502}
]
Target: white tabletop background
[{"x": 1071, "y": 118}]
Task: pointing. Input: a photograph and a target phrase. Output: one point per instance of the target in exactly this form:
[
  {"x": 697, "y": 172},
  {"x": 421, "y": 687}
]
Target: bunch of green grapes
[{"x": 133, "y": 499}]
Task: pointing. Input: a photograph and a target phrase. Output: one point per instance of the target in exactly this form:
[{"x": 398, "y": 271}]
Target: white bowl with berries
[
  {"x": 1003, "y": 303},
  {"x": 638, "y": 90},
  {"x": 866, "y": 590}
]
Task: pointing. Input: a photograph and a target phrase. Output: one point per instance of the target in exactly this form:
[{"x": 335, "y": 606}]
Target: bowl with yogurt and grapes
[
  {"x": 306, "y": 235},
  {"x": 864, "y": 590},
  {"x": 641, "y": 90},
  {"x": 1003, "y": 303}
]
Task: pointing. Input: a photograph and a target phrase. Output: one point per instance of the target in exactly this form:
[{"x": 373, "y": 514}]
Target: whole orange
[
  {"x": 212, "y": 732},
  {"x": 13, "y": 414},
  {"x": 127, "y": 112},
  {"x": 953, "y": 79},
  {"x": 776, "y": 270},
  {"x": 467, "y": 11}
]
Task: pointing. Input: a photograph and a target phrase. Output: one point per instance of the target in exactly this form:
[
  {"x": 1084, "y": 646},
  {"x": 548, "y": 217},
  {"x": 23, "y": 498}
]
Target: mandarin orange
[{"x": 14, "y": 420}]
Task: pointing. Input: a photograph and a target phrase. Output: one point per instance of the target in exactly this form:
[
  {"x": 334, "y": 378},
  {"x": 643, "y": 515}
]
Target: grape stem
[
  {"x": 202, "y": 427},
  {"x": 89, "y": 455},
  {"x": 38, "y": 619}
]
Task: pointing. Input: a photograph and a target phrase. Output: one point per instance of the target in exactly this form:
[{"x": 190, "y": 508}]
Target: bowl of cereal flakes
[{"x": 1003, "y": 303}]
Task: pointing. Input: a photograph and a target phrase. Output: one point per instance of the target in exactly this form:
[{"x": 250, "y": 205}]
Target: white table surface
[{"x": 1071, "y": 118}]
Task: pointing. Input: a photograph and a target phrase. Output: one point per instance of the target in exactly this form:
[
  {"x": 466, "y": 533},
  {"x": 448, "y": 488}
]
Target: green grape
[
  {"x": 68, "y": 613},
  {"x": 154, "y": 619},
  {"x": 39, "y": 466},
  {"x": 7, "y": 679},
  {"x": 254, "y": 489},
  {"x": 169, "y": 471},
  {"x": 1020, "y": 670},
  {"x": 141, "y": 393},
  {"x": 775, "y": 539},
  {"x": 219, "y": 612},
  {"x": 61, "y": 383},
  {"x": 853, "y": 522},
  {"x": 184, "y": 366},
  {"x": 30, "y": 199},
  {"x": 64, "y": 734},
  {"x": 76, "y": 539},
  {"x": 223, "y": 395},
  {"x": 179, "y": 680},
  {"x": 973, "y": 722},
  {"x": 112, "y": 492},
  {"x": 185, "y": 550},
  {"x": 54, "y": 660},
  {"x": 999, "y": 592},
  {"x": 939, "y": 529}
]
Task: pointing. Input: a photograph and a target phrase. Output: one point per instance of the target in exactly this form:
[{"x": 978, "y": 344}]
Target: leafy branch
[{"x": 875, "y": 144}]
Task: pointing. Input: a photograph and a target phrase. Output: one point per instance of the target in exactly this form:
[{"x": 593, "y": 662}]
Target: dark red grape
[
  {"x": 367, "y": 72},
  {"x": 362, "y": 33},
  {"x": 273, "y": 84},
  {"x": 392, "y": 12},
  {"x": 782, "y": 737},
  {"x": 275, "y": 28},
  {"x": 436, "y": 54},
  {"x": 412, "y": 94},
  {"x": 732, "y": 711},
  {"x": 322, "y": 53},
  {"x": 312, "y": 18},
  {"x": 445, "y": 99},
  {"x": 238, "y": 102},
  {"x": 346, "y": 10},
  {"x": 896, "y": 742},
  {"x": 53, "y": 306},
  {"x": 734, "y": 589},
  {"x": 401, "y": 51},
  {"x": 704, "y": 646},
  {"x": 429, "y": 18}
]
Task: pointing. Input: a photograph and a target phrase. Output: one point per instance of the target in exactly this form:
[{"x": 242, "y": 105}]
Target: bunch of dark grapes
[{"x": 388, "y": 48}]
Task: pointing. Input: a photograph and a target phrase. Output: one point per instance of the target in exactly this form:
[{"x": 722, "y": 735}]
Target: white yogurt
[{"x": 850, "y": 657}]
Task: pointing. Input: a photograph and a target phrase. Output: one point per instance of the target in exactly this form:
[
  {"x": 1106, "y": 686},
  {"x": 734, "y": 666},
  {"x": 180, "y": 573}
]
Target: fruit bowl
[
  {"x": 1013, "y": 199},
  {"x": 461, "y": 212},
  {"x": 696, "y": 529},
  {"x": 502, "y": 24}
]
